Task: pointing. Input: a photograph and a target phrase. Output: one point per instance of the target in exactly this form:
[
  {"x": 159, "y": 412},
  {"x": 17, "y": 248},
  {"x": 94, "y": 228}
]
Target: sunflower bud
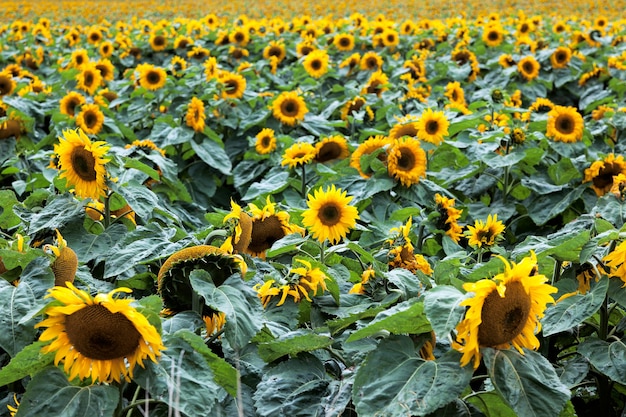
[{"x": 497, "y": 96}]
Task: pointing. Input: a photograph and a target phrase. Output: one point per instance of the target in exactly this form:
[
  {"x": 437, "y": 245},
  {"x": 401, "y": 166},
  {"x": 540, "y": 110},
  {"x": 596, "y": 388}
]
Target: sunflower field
[{"x": 388, "y": 208}]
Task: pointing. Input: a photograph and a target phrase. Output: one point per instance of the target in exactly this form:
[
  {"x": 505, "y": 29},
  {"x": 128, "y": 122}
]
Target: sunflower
[
  {"x": 615, "y": 262},
  {"x": 351, "y": 106},
  {"x": 329, "y": 215},
  {"x": 406, "y": 126},
  {"x": 504, "y": 311},
  {"x": 301, "y": 282},
  {"x": 234, "y": 84},
  {"x": 560, "y": 57},
  {"x": 151, "y": 77},
  {"x": 371, "y": 145},
  {"x": 448, "y": 217},
  {"x": 239, "y": 36},
  {"x": 268, "y": 226},
  {"x": 214, "y": 322},
  {"x": 106, "y": 49},
  {"x": 89, "y": 78},
  {"x": 101, "y": 337},
  {"x": 351, "y": 62},
  {"x": 406, "y": 161},
  {"x": 241, "y": 235},
  {"x": 300, "y": 153},
  {"x": 173, "y": 283},
  {"x": 210, "y": 68},
  {"x": 401, "y": 254},
  {"x": 94, "y": 35},
  {"x": 493, "y": 35},
  {"x": 82, "y": 163},
  {"x": 78, "y": 58},
  {"x": 70, "y": 101},
  {"x": 66, "y": 262},
  {"x": 316, "y": 63},
  {"x": 432, "y": 126},
  {"x": 7, "y": 85},
  {"x": 330, "y": 148},
  {"x": 177, "y": 66},
  {"x": 158, "y": 42},
  {"x": 265, "y": 141},
  {"x": 601, "y": 173},
  {"x": 506, "y": 61},
  {"x": 90, "y": 119},
  {"x": 276, "y": 49},
  {"x": 198, "y": 53},
  {"x": 565, "y": 124},
  {"x": 344, "y": 42},
  {"x": 289, "y": 108},
  {"x": 106, "y": 68},
  {"x": 377, "y": 83},
  {"x": 367, "y": 277},
  {"x": 528, "y": 67},
  {"x": 195, "y": 115},
  {"x": 371, "y": 61},
  {"x": 454, "y": 92},
  {"x": 485, "y": 234}
]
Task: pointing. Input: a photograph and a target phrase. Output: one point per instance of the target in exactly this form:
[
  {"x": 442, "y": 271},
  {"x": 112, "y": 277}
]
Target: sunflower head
[
  {"x": 485, "y": 234},
  {"x": 265, "y": 141},
  {"x": 298, "y": 154},
  {"x": 432, "y": 126},
  {"x": 329, "y": 215},
  {"x": 331, "y": 148},
  {"x": 528, "y": 67},
  {"x": 195, "y": 116},
  {"x": 601, "y": 173},
  {"x": 241, "y": 234},
  {"x": 373, "y": 145},
  {"x": 406, "y": 161},
  {"x": 289, "y": 108},
  {"x": 69, "y": 103},
  {"x": 90, "y": 119},
  {"x": 173, "y": 277},
  {"x": 268, "y": 226},
  {"x": 151, "y": 77},
  {"x": 234, "y": 85},
  {"x": 316, "y": 63},
  {"x": 565, "y": 124},
  {"x": 101, "y": 337},
  {"x": 66, "y": 262}
]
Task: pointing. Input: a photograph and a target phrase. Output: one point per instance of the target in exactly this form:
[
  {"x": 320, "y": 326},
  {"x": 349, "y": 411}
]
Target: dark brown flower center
[
  {"x": 71, "y": 105},
  {"x": 159, "y": 40},
  {"x": 83, "y": 163},
  {"x": 406, "y": 161},
  {"x": 493, "y": 35},
  {"x": 5, "y": 85},
  {"x": 564, "y": 124},
  {"x": 316, "y": 64},
  {"x": 289, "y": 108},
  {"x": 328, "y": 152},
  {"x": 561, "y": 57},
  {"x": 153, "y": 77},
  {"x": 432, "y": 127},
  {"x": 329, "y": 214},
  {"x": 528, "y": 67},
  {"x": 98, "y": 334},
  {"x": 264, "y": 233},
  {"x": 604, "y": 179},
  {"x": 89, "y": 78},
  {"x": 503, "y": 318},
  {"x": 90, "y": 119},
  {"x": 344, "y": 42}
]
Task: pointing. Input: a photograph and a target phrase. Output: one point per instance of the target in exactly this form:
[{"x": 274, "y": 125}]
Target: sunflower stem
[
  {"x": 132, "y": 401},
  {"x": 303, "y": 189},
  {"x": 107, "y": 209},
  {"x": 129, "y": 407},
  {"x": 322, "y": 254}
]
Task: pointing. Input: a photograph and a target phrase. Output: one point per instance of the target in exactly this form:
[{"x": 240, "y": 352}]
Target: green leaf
[
  {"x": 58, "y": 212},
  {"x": 236, "y": 300},
  {"x": 573, "y": 310},
  {"x": 395, "y": 381},
  {"x": 294, "y": 387},
  {"x": 573, "y": 371},
  {"x": 528, "y": 383},
  {"x": 292, "y": 343},
  {"x": 269, "y": 185},
  {"x": 50, "y": 394},
  {"x": 491, "y": 404},
  {"x": 8, "y": 219},
  {"x": 548, "y": 206},
  {"x": 141, "y": 199},
  {"x": 224, "y": 373},
  {"x": 563, "y": 171},
  {"x": 608, "y": 358},
  {"x": 406, "y": 281},
  {"x": 213, "y": 155},
  {"x": 287, "y": 244},
  {"x": 616, "y": 291},
  {"x": 406, "y": 317},
  {"x": 441, "y": 305},
  {"x": 340, "y": 324},
  {"x": 88, "y": 246},
  {"x": 138, "y": 165},
  {"x": 28, "y": 361}
]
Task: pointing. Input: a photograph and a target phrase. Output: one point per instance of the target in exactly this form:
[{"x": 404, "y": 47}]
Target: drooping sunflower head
[
  {"x": 504, "y": 311},
  {"x": 70, "y": 101},
  {"x": 233, "y": 84},
  {"x": 90, "y": 119},
  {"x": 298, "y": 154},
  {"x": 265, "y": 141},
  {"x": 289, "y": 108},
  {"x": 82, "y": 163},
  {"x": 101, "y": 337},
  {"x": 241, "y": 235},
  {"x": 195, "y": 115},
  {"x": 65, "y": 265},
  {"x": 331, "y": 148},
  {"x": 329, "y": 215},
  {"x": 268, "y": 226},
  {"x": 374, "y": 144},
  {"x": 151, "y": 77},
  {"x": 432, "y": 126},
  {"x": 565, "y": 124},
  {"x": 406, "y": 161},
  {"x": 601, "y": 173},
  {"x": 173, "y": 277},
  {"x": 448, "y": 217},
  {"x": 528, "y": 67}
]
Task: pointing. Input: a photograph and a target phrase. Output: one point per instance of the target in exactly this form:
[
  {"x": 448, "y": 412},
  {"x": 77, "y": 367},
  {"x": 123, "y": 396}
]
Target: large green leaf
[
  {"x": 571, "y": 311},
  {"x": 269, "y": 185},
  {"x": 141, "y": 199},
  {"x": 50, "y": 394},
  {"x": 395, "y": 381},
  {"x": 59, "y": 211},
  {"x": 403, "y": 318},
  {"x": 441, "y": 305},
  {"x": 294, "y": 387},
  {"x": 8, "y": 219},
  {"x": 339, "y": 324},
  {"x": 213, "y": 155},
  {"x": 491, "y": 404},
  {"x": 293, "y": 343},
  {"x": 28, "y": 361},
  {"x": 608, "y": 358},
  {"x": 617, "y": 291},
  {"x": 236, "y": 300},
  {"x": 89, "y": 246},
  {"x": 528, "y": 383},
  {"x": 548, "y": 206}
]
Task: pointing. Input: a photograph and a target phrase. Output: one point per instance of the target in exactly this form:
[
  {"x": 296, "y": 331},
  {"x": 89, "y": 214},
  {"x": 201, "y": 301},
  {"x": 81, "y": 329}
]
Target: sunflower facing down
[
  {"x": 289, "y": 108},
  {"x": 504, "y": 311},
  {"x": 101, "y": 337},
  {"x": 66, "y": 263},
  {"x": 82, "y": 164},
  {"x": 195, "y": 115},
  {"x": 329, "y": 216},
  {"x": 601, "y": 173},
  {"x": 90, "y": 119},
  {"x": 241, "y": 235},
  {"x": 406, "y": 161},
  {"x": 565, "y": 124}
]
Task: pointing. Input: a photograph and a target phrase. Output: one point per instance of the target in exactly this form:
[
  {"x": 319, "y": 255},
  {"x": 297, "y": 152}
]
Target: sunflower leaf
[
  {"x": 528, "y": 383},
  {"x": 608, "y": 358},
  {"x": 492, "y": 404},
  {"x": 49, "y": 393},
  {"x": 293, "y": 343},
  {"x": 409, "y": 385},
  {"x": 269, "y": 185},
  {"x": 28, "y": 361},
  {"x": 213, "y": 155},
  {"x": 8, "y": 219},
  {"x": 441, "y": 305}
]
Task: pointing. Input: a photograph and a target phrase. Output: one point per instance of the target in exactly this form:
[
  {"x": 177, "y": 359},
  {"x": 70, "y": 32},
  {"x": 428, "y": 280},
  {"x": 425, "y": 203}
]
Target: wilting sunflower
[
  {"x": 82, "y": 163},
  {"x": 406, "y": 161},
  {"x": 90, "y": 119},
  {"x": 485, "y": 234},
  {"x": 265, "y": 141},
  {"x": 151, "y": 77},
  {"x": 565, "y": 124},
  {"x": 173, "y": 283},
  {"x": 195, "y": 115},
  {"x": 70, "y": 101},
  {"x": 330, "y": 148},
  {"x": 615, "y": 262},
  {"x": 528, "y": 67},
  {"x": 504, "y": 311},
  {"x": 289, "y": 108},
  {"x": 560, "y": 57},
  {"x": 432, "y": 126},
  {"x": 371, "y": 61},
  {"x": 7, "y": 85},
  {"x": 298, "y": 154},
  {"x": 601, "y": 173},
  {"x": 101, "y": 337},
  {"x": 233, "y": 84},
  {"x": 241, "y": 235},
  {"x": 89, "y": 78},
  {"x": 276, "y": 49},
  {"x": 401, "y": 254},
  {"x": 367, "y": 277},
  {"x": 372, "y": 144},
  {"x": 66, "y": 263},
  {"x": 329, "y": 215},
  {"x": 344, "y": 42},
  {"x": 301, "y": 283},
  {"x": 316, "y": 63},
  {"x": 268, "y": 226},
  {"x": 448, "y": 217}
]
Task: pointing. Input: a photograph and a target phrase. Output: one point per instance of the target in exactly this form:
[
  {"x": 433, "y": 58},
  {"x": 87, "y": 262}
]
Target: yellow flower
[
  {"x": 265, "y": 141},
  {"x": 101, "y": 337},
  {"x": 90, "y": 119},
  {"x": 70, "y": 101},
  {"x": 373, "y": 144},
  {"x": 344, "y": 42},
  {"x": 528, "y": 67},
  {"x": 448, "y": 217},
  {"x": 331, "y": 148},
  {"x": 493, "y": 35},
  {"x": 275, "y": 49},
  {"x": 82, "y": 163},
  {"x": 89, "y": 78},
  {"x": 601, "y": 173},
  {"x": 565, "y": 124},
  {"x": 303, "y": 282},
  {"x": 298, "y": 154},
  {"x": 560, "y": 57},
  {"x": 377, "y": 83},
  {"x": 66, "y": 263},
  {"x": 616, "y": 262},
  {"x": 432, "y": 126},
  {"x": 195, "y": 115},
  {"x": 504, "y": 311},
  {"x": 234, "y": 85},
  {"x": 151, "y": 77},
  {"x": 316, "y": 63},
  {"x": 289, "y": 108},
  {"x": 268, "y": 226},
  {"x": 485, "y": 233},
  {"x": 329, "y": 215},
  {"x": 406, "y": 161},
  {"x": 366, "y": 277},
  {"x": 241, "y": 235}
]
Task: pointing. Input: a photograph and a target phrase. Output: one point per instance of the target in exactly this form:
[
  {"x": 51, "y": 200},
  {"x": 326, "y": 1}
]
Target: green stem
[
  {"x": 107, "y": 210},
  {"x": 557, "y": 272},
  {"x": 133, "y": 400},
  {"x": 322, "y": 254},
  {"x": 303, "y": 189},
  {"x": 129, "y": 408}
]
